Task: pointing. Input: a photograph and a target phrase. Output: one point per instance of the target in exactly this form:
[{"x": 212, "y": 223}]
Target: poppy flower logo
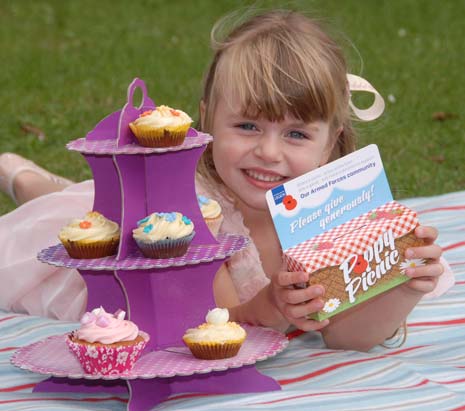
[
  {"x": 360, "y": 265},
  {"x": 289, "y": 202}
]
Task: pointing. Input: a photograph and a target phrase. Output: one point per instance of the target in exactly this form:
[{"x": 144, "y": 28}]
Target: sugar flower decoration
[
  {"x": 202, "y": 199},
  {"x": 186, "y": 220},
  {"x": 148, "y": 228},
  {"x": 331, "y": 305},
  {"x": 414, "y": 262}
]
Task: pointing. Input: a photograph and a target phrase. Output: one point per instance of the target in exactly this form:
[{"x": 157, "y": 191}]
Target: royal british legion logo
[{"x": 278, "y": 194}]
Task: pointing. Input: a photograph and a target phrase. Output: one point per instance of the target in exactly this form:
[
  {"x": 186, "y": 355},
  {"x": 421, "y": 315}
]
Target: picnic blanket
[{"x": 426, "y": 373}]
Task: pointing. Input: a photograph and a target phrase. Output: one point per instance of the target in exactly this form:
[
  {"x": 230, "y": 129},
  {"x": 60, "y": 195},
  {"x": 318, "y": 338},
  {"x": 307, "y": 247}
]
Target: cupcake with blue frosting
[{"x": 164, "y": 235}]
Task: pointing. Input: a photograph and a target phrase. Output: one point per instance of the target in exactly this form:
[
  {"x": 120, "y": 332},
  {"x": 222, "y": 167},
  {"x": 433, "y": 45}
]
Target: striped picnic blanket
[{"x": 426, "y": 373}]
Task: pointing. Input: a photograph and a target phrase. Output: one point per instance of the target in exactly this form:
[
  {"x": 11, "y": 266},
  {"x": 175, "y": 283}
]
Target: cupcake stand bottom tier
[{"x": 157, "y": 374}]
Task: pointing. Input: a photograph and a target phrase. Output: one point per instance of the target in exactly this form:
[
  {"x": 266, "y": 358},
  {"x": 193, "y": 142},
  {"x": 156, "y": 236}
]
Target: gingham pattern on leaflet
[{"x": 352, "y": 237}]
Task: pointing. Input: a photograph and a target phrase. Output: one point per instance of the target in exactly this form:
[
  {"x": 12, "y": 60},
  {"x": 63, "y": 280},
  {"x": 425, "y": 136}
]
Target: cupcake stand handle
[{"x": 164, "y": 297}]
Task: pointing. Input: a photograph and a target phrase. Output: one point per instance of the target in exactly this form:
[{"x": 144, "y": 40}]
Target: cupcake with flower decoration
[
  {"x": 107, "y": 344},
  {"x": 161, "y": 127},
  {"x": 217, "y": 338},
  {"x": 164, "y": 235},
  {"x": 93, "y": 236},
  {"x": 211, "y": 213}
]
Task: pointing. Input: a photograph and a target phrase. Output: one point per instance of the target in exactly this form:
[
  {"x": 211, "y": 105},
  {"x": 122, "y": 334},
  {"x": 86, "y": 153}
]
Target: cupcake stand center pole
[{"x": 163, "y": 297}]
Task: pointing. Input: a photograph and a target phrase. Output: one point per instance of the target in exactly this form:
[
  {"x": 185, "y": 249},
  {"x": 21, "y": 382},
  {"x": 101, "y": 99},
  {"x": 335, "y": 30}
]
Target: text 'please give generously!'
[{"x": 328, "y": 196}]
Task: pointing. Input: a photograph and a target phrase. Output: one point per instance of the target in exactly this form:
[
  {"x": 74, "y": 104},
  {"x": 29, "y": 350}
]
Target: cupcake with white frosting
[
  {"x": 217, "y": 338},
  {"x": 161, "y": 127},
  {"x": 164, "y": 235},
  {"x": 93, "y": 236},
  {"x": 107, "y": 344},
  {"x": 211, "y": 213}
]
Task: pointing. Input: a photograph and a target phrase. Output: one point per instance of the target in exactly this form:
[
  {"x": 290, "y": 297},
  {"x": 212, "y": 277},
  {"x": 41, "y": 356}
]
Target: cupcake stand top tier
[{"x": 165, "y": 296}]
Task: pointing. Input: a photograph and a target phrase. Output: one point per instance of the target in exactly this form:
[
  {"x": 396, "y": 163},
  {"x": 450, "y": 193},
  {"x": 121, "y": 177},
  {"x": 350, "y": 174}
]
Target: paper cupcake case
[
  {"x": 110, "y": 359},
  {"x": 52, "y": 357}
]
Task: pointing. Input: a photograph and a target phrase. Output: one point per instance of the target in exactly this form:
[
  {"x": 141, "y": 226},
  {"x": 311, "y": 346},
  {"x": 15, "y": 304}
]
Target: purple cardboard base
[{"x": 144, "y": 394}]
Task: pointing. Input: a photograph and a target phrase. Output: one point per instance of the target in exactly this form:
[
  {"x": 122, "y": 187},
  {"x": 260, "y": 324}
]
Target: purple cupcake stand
[{"x": 163, "y": 296}]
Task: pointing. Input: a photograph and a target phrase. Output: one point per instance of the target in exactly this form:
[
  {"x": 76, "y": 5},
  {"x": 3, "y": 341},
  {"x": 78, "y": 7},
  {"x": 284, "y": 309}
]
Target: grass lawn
[{"x": 67, "y": 64}]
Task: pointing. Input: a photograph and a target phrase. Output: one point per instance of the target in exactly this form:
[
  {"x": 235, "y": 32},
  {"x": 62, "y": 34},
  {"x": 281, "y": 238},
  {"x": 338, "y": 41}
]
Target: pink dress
[{"x": 32, "y": 287}]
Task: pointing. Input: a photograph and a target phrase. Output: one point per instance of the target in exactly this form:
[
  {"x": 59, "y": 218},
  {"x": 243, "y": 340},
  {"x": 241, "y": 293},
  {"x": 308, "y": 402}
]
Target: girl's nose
[{"x": 268, "y": 148}]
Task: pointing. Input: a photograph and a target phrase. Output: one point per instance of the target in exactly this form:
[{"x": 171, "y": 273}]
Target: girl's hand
[
  {"x": 296, "y": 303},
  {"x": 424, "y": 278}
]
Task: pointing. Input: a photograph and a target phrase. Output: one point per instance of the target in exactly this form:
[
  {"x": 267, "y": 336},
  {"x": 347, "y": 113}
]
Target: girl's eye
[
  {"x": 247, "y": 126},
  {"x": 297, "y": 135}
]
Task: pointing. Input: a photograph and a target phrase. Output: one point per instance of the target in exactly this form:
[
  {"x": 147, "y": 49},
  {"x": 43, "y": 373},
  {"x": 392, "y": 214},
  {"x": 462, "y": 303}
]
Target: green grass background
[{"x": 67, "y": 64}]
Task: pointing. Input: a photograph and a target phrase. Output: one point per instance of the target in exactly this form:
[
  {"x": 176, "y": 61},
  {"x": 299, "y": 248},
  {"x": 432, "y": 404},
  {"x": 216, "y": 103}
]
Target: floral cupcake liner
[
  {"x": 168, "y": 248},
  {"x": 108, "y": 359}
]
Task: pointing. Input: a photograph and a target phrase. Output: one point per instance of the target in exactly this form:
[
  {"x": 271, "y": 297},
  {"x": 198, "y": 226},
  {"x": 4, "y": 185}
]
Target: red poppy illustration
[
  {"x": 360, "y": 265},
  {"x": 289, "y": 202}
]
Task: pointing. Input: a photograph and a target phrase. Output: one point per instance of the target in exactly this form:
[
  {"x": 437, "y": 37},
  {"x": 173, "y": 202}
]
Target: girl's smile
[{"x": 263, "y": 178}]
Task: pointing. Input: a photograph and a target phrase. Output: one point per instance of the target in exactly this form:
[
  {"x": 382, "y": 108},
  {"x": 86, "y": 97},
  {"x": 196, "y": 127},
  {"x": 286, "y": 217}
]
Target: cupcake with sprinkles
[
  {"x": 161, "y": 127},
  {"x": 164, "y": 235},
  {"x": 107, "y": 344},
  {"x": 211, "y": 213},
  {"x": 93, "y": 236}
]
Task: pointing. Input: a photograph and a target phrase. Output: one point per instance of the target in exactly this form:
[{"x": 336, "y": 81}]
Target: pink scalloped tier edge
[
  {"x": 197, "y": 253},
  {"x": 52, "y": 356},
  {"x": 102, "y": 147}
]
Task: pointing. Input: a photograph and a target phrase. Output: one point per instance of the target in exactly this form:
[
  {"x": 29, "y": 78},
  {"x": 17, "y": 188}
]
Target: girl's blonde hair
[{"x": 277, "y": 63}]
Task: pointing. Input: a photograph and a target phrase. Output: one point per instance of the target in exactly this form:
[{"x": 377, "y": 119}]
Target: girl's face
[{"x": 254, "y": 155}]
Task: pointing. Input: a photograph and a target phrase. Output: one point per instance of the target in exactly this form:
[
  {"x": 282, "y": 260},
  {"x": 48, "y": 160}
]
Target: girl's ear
[{"x": 202, "y": 114}]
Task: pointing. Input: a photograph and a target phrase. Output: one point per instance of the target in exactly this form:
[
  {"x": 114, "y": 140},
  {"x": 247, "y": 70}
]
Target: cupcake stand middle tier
[{"x": 163, "y": 297}]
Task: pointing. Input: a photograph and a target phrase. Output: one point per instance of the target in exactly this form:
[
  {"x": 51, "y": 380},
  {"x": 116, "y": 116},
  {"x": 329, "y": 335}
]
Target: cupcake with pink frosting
[{"x": 107, "y": 344}]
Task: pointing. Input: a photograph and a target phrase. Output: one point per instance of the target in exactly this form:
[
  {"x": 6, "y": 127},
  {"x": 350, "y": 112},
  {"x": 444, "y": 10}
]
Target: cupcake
[
  {"x": 216, "y": 339},
  {"x": 94, "y": 236},
  {"x": 107, "y": 344},
  {"x": 162, "y": 127},
  {"x": 164, "y": 235},
  {"x": 211, "y": 213}
]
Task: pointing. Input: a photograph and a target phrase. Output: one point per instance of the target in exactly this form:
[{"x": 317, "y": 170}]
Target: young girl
[{"x": 276, "y": 99}]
